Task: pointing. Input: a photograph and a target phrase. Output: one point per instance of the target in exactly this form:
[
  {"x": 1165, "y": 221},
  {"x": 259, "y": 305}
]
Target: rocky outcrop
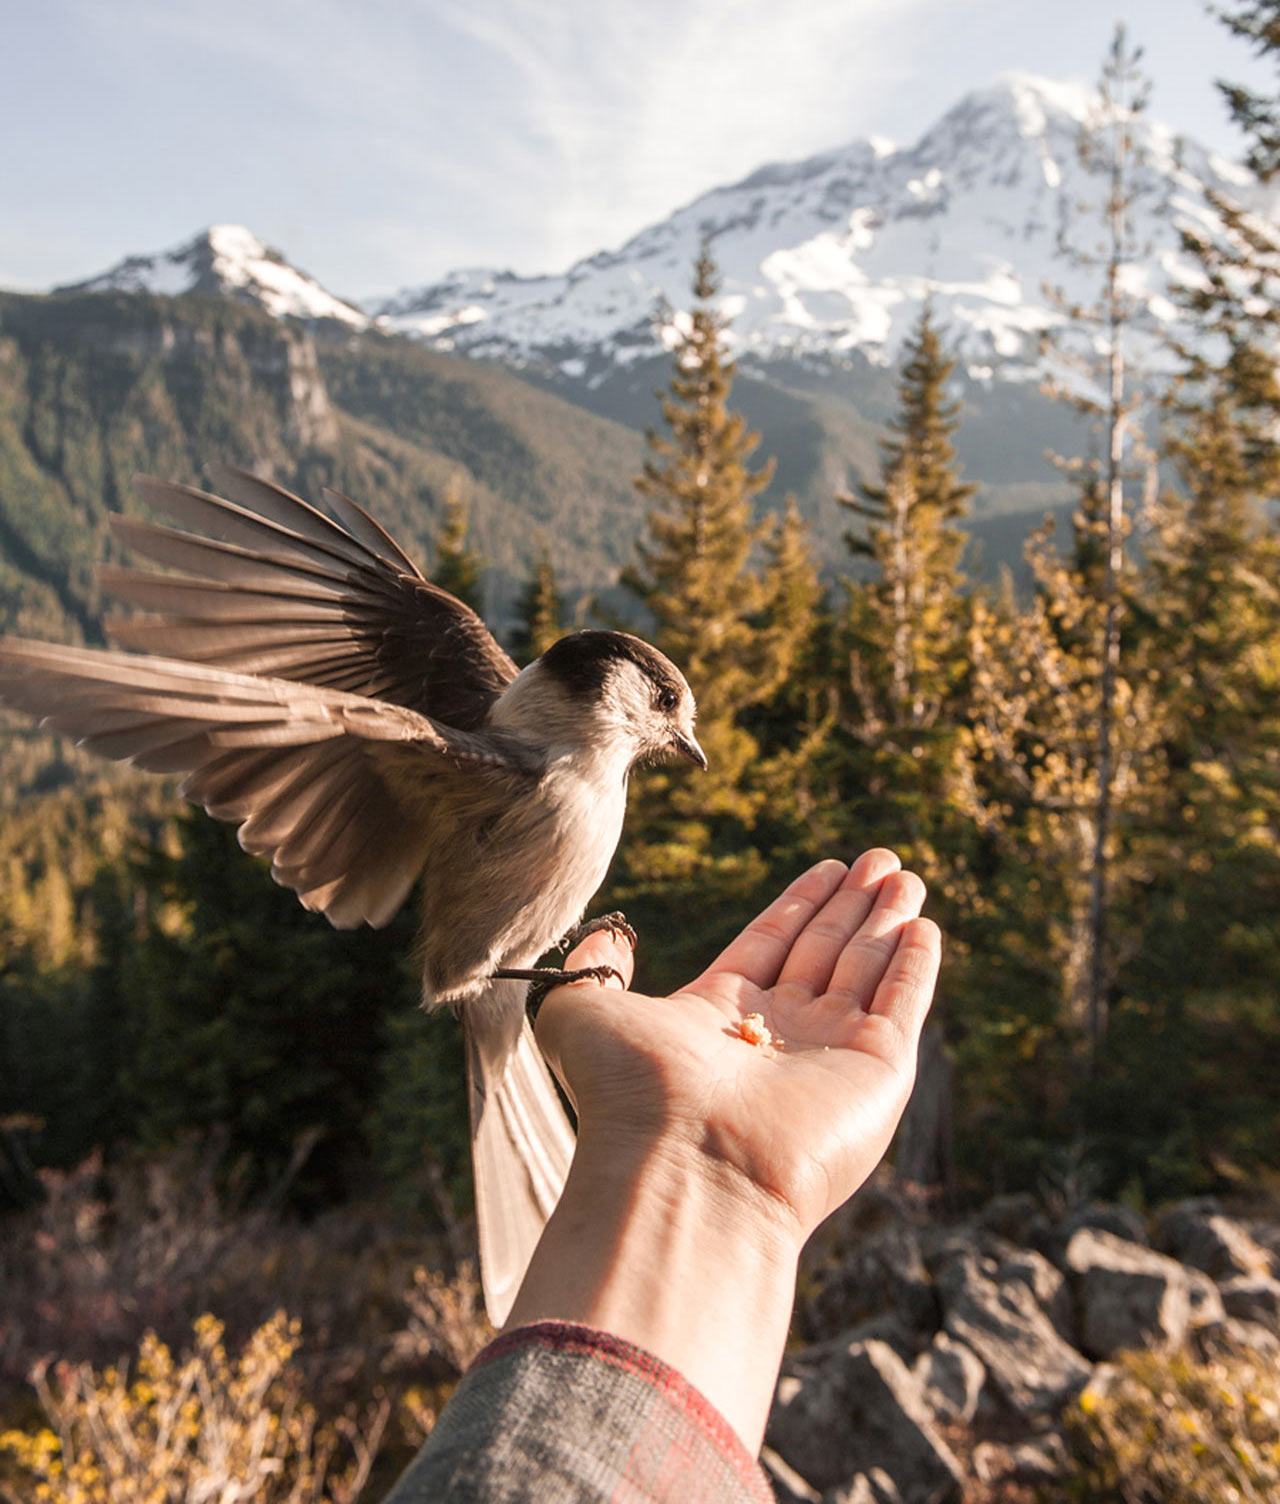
[
  {"x": 1126, "y": 1295},
  {"x": 993, "y": 1310},
  {"x": 859, "y": 1410},
  {"x": 962, "y": 1344}
]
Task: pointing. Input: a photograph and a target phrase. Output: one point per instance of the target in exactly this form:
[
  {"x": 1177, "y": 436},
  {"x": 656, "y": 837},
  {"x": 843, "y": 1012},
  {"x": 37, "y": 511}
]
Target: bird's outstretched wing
[
  {"x": 311, "y": 774},
  {"x": 271, "y": 585}
]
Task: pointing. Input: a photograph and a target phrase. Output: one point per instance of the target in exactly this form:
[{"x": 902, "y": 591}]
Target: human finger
[
  {"x": 864, "y": 959},
  {"x": 905, "y": 992},
  {"x": 757, "y": 954},
  {"x": 818, "y": 948}
]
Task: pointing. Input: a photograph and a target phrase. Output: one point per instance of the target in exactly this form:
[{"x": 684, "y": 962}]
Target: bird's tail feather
[{"x": 521, "y": 1147}]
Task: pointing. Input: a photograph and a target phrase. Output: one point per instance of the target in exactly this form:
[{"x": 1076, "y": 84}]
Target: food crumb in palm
[{"x": 755, "y": 1031}]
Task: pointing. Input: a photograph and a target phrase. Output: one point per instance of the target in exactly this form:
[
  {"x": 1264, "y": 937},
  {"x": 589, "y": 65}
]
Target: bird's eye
[{"x": 667, "y": 699}]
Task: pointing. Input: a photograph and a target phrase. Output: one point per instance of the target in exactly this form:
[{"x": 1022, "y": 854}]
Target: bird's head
[{"x": 606, "y": 691}]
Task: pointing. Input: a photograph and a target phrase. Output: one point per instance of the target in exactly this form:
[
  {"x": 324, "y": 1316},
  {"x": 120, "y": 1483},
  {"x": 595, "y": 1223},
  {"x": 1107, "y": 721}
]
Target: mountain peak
[
  {"x": 231, "y": 260},
  {"x": 835, "y": 253}
]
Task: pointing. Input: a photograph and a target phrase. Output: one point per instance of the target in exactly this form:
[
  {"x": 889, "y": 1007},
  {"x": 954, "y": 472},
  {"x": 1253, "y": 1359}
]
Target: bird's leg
[
  {"x": 615, "y": 923},
  {"x": 542, "y": 979}
]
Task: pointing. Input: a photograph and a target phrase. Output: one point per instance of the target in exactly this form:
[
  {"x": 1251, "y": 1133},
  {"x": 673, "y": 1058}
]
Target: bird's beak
[{"x": 687, "y": 746}]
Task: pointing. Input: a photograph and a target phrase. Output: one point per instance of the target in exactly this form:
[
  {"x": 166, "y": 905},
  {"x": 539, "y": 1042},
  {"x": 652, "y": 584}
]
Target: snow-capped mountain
[
  {"x": 834, "y": 254},
  {"x": 231, "y": 260}
]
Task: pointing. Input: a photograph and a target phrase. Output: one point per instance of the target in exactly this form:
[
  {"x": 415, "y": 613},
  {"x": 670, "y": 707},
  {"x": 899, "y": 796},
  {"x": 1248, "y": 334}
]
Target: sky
[{"x": 380, "y": 144}]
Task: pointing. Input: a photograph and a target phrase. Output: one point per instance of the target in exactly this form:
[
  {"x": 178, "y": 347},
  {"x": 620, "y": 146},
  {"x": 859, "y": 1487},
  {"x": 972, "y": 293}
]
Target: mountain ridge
[{"x": 822, "y": 259}]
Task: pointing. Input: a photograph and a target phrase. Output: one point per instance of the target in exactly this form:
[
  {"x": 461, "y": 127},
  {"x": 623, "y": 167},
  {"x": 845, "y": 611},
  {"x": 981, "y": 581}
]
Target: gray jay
[{"x": 364, "y": 730}]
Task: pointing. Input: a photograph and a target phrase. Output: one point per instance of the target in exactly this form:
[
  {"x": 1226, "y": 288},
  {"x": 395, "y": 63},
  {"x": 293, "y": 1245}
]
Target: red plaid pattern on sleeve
[{"x": 562, "y": 1414}]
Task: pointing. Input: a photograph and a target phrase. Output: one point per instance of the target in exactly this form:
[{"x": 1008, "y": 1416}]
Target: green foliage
[
  {"x": 255, "y": 1016},
  {"x": 539, "y": 613},
  {"x": 457, "y": 569}
]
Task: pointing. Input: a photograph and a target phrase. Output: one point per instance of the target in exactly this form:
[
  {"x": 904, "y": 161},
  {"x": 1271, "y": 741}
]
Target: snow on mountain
[
  {"x": 834, "y": 254},
  {"x": 231, "y": 260}
]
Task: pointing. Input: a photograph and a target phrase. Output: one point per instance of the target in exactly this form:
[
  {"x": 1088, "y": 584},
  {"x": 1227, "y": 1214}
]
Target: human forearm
[{"x": 659, "y": 1242}]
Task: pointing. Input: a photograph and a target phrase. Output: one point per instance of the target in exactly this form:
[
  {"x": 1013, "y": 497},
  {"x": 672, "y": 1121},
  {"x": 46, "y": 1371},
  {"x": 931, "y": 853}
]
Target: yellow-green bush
[
  {"x": 201, "y": 1426},
  {"x": 1162, "y": 1428}
]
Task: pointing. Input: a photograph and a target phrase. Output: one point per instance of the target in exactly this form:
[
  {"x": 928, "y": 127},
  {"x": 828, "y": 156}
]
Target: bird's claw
[
  {"x": 615, "y": 924},
  {"x": 541, "y": 980}
]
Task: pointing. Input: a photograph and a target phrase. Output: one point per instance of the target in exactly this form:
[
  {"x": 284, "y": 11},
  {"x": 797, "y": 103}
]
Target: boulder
[
  {"x": 858, "y": 1410},
  {"x": 788, "y": 1486},
  {"x": 950, "y": 1376},
  {"x": 886, "y": 1274},
  {"x": 1035, "y": 1462},
  {"x": 1019, "y": 1217},
  {"x": 875, "y": 1487},
  {"x": 1230, "y": 1335},
  {"x": 1045, "y": 1282},
  {"x": 1126, "y": 1295},
  {"x": 1204, "y": 1297},
  {"x": 1028, "y": 1363},
  {"x": 1198, "y": 1233},
  {"x": 1253, "y": 1298},
  {"x": 1103, "y": 1216}
]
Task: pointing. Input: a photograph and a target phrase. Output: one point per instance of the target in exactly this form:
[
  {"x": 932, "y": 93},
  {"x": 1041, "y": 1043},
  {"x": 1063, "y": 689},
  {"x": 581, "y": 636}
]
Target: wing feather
[
  {"x": 290, "y": 763},
  {"x": 271, "y": 585}
]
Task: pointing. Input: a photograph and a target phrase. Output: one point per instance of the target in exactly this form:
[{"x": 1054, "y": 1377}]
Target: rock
[
  {"x": 1037, "y": 1461},
  {"x": 1020, "y": 1218},
  {"x": 858, "y": 1410},
  {"x": 1029, "y": 1365},
  {"x": 788, "y": 1486},
  {"x": 1253, "y": 1298},
  {"x": 1197, "y": 1233},
  {"x": 1229, "y": 1335},
  {"x": 886, "y": 1274},
  {"x": 950, "y": 1376},
  {"x": 1119, "y": 1221},
  {"x": 1126, "y": 1295},
  {"x": 1206, "y": 1302},
  {"x": 875, "y": 1487},
  {"x": 1046, "y": 1283}
]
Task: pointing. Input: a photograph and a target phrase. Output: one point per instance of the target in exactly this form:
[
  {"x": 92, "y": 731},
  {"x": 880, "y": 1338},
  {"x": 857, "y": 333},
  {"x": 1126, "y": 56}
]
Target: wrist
[{"x": 673, "y": 1249}]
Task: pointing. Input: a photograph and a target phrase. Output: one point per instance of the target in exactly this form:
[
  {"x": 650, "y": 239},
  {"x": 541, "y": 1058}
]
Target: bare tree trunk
[
  {"x": 925, "y": 1156},
  {"x": 1098, "y": 905}
]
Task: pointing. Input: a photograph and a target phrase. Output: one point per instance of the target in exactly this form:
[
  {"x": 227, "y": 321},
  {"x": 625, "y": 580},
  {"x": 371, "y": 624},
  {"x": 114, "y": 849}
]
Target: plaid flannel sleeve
[{"x": 566, "y": 1415}]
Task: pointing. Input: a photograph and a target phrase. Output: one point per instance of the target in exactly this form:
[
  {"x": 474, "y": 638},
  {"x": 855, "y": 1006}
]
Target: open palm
[{"x": 841, "y": 969}]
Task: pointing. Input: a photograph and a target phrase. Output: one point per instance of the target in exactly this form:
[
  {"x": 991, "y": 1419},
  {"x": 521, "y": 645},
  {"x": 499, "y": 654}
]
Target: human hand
[
  {"x": 704, "y": 1161},
  {"x": 842, "y": 971}
]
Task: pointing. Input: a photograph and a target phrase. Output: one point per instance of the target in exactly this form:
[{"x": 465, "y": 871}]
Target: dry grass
[{"x": 113, "y": 1272}]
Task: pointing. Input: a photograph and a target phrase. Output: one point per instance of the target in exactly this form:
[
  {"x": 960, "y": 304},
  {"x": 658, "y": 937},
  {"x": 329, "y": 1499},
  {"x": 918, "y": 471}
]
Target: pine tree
[
  {"x": 695, "y": 574},
  {"x": 792, "y": 724},
  {"x": 458, "y": 570},
  {"x": 903, "y": 632},
  {"x": 539, "y": 613},
  {"x": 691, "y": 864}
]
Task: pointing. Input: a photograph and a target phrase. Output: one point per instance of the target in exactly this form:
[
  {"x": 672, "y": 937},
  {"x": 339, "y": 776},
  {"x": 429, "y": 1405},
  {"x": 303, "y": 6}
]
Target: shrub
[
  {"x": 1162, "y": 1428},
  {"x": 200, "y": 1427}
]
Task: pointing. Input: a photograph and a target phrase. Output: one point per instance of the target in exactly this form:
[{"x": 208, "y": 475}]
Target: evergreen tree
[
  {"x": 695, "y": 574},
  {"x": 904, "y": 628},
  {"x": 691, "y": 850},
  {"x": 458, "y": 570},
  {"x": 1258, "y": 115},
  {"x": 539, "y": 613},
  {"x": 793, "y": 724}
]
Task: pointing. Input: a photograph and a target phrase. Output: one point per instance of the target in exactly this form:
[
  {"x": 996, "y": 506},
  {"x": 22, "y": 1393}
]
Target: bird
[{"x": 365, "y": 731}]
